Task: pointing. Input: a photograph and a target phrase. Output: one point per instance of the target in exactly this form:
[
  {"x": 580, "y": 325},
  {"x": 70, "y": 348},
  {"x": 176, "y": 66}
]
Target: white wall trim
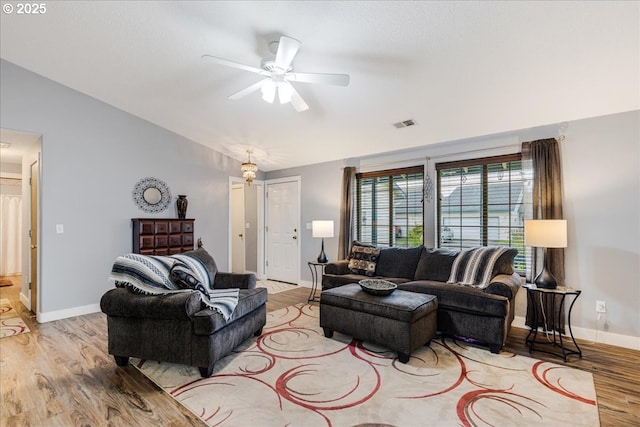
[
  {"x": 307, "y": 284},
  {"x": 593, "y": 336},
  {"x": 68, "y": 312},
  {"x": 25, "y": 300}
]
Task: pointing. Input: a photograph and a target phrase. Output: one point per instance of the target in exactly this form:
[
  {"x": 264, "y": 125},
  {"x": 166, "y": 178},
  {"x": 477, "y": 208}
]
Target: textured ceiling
[{"x": 459, "y": 69}]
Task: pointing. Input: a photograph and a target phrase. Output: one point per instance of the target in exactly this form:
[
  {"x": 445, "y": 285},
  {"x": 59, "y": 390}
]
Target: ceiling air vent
[{"x": 404, "y": 123}]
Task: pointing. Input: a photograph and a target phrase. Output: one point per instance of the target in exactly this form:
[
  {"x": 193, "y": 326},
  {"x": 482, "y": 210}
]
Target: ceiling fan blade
[
  {"x": 287, "y": 49},
  {"x": 228, "y": 63},
  {"x": 244, "y": 92},
  {"x": 297, "y": 101},
  {"x": 323, "y": 78}
]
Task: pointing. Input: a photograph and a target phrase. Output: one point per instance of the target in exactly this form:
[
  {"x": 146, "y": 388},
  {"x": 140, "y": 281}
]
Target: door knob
[{"x": 240, "y": 235}]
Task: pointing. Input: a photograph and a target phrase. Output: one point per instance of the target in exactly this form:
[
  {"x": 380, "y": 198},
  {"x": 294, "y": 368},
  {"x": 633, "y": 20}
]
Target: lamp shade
[
  {"x": 545, "y": 233},
  {"x": 322, "y": 228}
]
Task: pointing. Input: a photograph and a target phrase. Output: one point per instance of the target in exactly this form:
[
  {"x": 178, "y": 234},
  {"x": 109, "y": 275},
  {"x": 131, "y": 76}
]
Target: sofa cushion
[
  {"x": 363, "y": 259},
  {"x": 208, "y": 321},
  {"x": 398, "y": 262},
  {"x": 435, "y": 264},
  {"x": 465, "y": 299},
  {"x": 207, "y": 260},
  {"x": 504, "y": 264},
  {"x": 184, "y": 278}
]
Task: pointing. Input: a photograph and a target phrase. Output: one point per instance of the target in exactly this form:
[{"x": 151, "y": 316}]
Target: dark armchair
[{"x": 176, "y": 328}]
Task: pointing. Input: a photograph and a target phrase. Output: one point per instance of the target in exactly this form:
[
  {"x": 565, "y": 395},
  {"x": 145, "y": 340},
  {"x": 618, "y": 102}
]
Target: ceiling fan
[{"x": 279, "y": 74}]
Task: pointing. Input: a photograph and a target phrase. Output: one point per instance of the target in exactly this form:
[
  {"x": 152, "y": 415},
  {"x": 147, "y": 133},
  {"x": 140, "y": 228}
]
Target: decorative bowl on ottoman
[{"x": 377, "y": 286}]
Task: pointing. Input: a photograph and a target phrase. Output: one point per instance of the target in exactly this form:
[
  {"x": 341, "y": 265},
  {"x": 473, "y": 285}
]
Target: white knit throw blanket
[{"x": 149, "y": 275}]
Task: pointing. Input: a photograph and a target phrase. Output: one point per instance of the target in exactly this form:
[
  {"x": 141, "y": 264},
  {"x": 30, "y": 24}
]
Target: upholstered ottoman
[{"x": 403, "y": 321}]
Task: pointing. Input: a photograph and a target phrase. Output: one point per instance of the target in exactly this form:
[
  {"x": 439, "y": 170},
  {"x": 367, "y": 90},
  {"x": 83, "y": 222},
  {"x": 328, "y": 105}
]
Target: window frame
[
  {"x": 484, "y": 163},
  {"x": 390, "y": 174}
]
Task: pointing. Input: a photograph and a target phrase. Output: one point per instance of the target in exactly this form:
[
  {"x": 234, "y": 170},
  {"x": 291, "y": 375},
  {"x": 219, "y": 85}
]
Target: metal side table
[
  {"x": 317, "y": 270},
  {"x": 549, "y": 304}
]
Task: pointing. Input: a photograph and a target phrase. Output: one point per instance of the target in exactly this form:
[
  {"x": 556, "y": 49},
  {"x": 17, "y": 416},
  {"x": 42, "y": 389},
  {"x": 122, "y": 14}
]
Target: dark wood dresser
[{"x": 162, "y": 236}]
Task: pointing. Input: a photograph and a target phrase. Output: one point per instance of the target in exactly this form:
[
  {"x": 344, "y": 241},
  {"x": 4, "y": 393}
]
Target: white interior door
[
  {"x": 237, "y": 229},
  {"x": 283, "y": 225}
]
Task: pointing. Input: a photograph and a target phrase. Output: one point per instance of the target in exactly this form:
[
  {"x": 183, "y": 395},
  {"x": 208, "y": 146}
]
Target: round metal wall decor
[{"x": 152, "y": 195}]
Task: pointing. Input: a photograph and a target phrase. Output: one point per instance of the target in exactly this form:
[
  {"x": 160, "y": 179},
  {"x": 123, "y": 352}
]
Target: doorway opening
[
  {"x": 246, "y": 227},
  {"x": 22, "y": 160}
]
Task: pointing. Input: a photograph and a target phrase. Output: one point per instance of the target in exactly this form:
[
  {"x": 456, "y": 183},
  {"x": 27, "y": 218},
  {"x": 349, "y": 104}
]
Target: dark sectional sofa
[{"x": 483, "y": 315}]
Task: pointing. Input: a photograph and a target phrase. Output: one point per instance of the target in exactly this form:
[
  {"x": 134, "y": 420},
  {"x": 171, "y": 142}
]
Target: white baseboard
[
  {"x": 24, "y": 299},
  {"x": 68, "y": 312},
  {"x": 593, "y": 336},
  {"x": 305, "y": 284}
]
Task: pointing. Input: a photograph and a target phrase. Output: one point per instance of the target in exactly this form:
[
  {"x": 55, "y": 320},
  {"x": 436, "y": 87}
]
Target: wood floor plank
[{"x": 60, "y": 374}]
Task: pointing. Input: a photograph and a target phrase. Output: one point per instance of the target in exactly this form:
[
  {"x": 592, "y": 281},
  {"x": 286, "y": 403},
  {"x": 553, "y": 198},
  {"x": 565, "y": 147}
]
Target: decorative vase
[{"x": 181, "y": 206}]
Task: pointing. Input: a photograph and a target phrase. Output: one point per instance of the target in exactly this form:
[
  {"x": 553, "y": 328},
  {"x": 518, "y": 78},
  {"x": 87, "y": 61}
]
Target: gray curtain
[
  {"x": 544, "y": 157},
  {"x": 346, "y": 212}
]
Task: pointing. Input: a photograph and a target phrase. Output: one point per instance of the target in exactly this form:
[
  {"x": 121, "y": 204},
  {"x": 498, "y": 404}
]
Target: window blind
[
  {"x": 483, "y": 202},
  {"x": 389, "y": 207}
]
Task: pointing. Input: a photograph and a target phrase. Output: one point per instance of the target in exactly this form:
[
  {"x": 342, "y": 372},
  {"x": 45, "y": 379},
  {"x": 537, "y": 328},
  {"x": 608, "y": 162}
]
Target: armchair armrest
[
  {"x": 121, "y": 302},
  {"x": 338, "y": 267},
  {"x": 506, "y": 285},
  {"x": 234, "y": 280}
]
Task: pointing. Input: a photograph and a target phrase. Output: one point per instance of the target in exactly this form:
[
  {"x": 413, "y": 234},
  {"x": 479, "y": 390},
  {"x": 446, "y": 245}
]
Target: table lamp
[
  {"x": 322, "y": 229},
  {"x": 545, "y": 233}
]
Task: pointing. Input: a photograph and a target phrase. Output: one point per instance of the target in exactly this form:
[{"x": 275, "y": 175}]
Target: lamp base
[
  {"x": 322, "y": 258},
  {"x": 545, "y": 279}
]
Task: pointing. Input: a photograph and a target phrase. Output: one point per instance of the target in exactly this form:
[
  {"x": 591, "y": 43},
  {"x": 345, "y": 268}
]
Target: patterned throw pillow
[
  {"x": 363, "y": 260},
  {"x": 184, "y": 278}
]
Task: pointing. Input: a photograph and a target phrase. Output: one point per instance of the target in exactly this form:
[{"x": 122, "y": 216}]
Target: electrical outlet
[{"x": 601, "y": 307}]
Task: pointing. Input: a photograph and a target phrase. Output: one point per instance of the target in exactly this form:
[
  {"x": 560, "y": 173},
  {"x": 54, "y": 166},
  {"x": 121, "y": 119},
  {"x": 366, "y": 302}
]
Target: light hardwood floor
[{"x": 60, "y": 374}]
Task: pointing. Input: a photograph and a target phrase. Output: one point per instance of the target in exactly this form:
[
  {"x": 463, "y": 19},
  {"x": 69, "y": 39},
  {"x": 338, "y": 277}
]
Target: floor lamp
[
  {"x": 545, "y": 233},
  {"x": 322, "y": 229}
]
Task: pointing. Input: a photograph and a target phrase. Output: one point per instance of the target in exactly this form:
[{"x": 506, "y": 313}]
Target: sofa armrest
[
  {"x": 338, "y": 267},
  {"x": 234, "y": 280},
  {"x": 506, "y": 285},
  {"x": 121, "y": 302}
]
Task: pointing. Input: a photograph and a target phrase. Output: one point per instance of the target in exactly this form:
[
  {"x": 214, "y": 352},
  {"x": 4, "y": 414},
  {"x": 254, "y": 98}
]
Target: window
[
  {"x": 389, "y": 210},
  {"x": 482, "y": 202}
]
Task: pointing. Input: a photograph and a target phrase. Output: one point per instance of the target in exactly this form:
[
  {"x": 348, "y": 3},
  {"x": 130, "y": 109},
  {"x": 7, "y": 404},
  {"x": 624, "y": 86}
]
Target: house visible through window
[
  {"x": 482, "y": 202},
  {"x": 389, "y": 207}
]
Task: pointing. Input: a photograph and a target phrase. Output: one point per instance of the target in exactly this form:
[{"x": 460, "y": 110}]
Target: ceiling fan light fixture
[
  {"x": 279, "y": 74},
  {"x": 249, "y": 169},
  {"x": 269, "y": 91},
  {"x": 285, "y": 91}
]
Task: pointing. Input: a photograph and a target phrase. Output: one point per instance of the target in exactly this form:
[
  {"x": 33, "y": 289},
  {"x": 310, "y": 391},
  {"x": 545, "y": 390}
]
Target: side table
[
  {"x": 551, "y": 303},
  {"x": 317, "y": 269}
]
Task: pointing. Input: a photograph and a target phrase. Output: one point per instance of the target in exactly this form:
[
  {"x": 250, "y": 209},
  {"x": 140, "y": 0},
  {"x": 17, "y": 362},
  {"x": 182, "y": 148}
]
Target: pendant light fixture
[{"x": 249, "y": 169}]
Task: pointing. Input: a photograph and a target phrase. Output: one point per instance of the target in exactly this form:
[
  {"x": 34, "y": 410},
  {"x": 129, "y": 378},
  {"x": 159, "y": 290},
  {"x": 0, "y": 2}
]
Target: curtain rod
[
  {"x": 559, "y": 139},
  {"x": 394, "y": 162}
]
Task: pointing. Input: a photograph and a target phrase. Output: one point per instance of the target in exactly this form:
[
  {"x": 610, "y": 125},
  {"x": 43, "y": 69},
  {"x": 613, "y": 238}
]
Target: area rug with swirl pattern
[
  {"x": 10, "y": 321},
  {"x": 293, "y": 376}
]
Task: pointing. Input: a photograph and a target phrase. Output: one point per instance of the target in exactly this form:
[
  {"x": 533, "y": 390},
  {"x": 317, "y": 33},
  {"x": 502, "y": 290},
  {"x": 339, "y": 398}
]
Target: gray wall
[
  {"x": 601, "y": 178},
  {"x": 92, "y": 156}
]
